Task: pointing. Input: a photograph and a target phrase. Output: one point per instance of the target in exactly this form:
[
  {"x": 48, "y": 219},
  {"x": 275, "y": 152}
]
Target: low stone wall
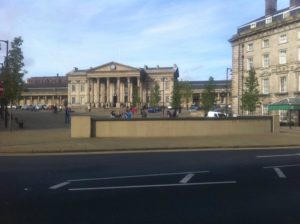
[{"x": 85, "y": 127}]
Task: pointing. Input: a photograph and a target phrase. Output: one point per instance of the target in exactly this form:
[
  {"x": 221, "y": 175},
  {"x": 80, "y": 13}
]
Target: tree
[
  {"x": 250, "y": 97},
  {"x": 208, "y": 96},
  {"x": 154, "y": 95},
  {"x": 187, "y": 92},
  {"x": 12, "y": 74},
  {"x": 176, "y": 98},
  {"x": 136, "y": 99}
]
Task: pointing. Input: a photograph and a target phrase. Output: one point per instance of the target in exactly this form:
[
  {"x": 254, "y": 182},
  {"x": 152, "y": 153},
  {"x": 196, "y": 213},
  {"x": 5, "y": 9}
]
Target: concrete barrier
[
  {"x": 81, "y": 127},
  {"x": 85, "y": 127}
]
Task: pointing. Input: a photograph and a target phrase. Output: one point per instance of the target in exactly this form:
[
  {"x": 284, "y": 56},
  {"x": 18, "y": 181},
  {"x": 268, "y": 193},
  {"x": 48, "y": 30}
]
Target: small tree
[
  {"x": 136, "y": 99},
  {"x": 155, "y": 95},
  {"x": 176, "y": 97},
  {"x": 12, "y": 74},
  {"x": 250, "y": 97},
  {"x": 208, "y": 96},
  {"x": 187, "y": 93}
]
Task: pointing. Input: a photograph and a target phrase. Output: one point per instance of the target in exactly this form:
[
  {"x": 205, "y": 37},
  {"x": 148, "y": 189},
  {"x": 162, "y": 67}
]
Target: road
[{"x": 255, "y": 186}]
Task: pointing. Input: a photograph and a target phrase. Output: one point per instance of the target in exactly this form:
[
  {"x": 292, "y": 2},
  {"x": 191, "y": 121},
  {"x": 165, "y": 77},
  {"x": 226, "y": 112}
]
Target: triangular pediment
[{"x": 113, "y": 66}]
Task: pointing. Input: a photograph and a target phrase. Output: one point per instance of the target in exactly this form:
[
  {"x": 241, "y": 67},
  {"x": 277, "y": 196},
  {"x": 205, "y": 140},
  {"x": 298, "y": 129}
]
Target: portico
[{"x": 115, "y": 85}]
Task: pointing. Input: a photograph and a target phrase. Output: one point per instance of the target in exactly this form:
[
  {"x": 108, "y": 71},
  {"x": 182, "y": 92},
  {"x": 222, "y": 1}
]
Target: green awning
[{"x": 286, "y": 104}]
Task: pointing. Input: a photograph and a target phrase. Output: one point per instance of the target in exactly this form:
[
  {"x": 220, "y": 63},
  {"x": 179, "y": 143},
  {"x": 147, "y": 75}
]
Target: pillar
[
  {"x": 107, "y": 90},
  {"x": 97, "y": 93},
  {"x": 87, "y": 91}
]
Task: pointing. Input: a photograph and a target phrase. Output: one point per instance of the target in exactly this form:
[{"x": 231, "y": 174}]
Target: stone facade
[
  {"x": 270, "y": 45},
  {"x": 113, "y": 85},
  {"x": 44, "y": 91}
]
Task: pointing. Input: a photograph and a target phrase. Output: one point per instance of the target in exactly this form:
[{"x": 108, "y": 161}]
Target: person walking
[{"x": 67, "y": 115}]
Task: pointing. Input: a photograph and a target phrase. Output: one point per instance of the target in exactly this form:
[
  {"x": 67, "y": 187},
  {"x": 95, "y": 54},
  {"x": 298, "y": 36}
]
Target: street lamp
[
  {"x": 227, "y": 73},
  {"x": 163, "y": 79},
  {"x": 6, "y": 63},
  {"x": 5, "y": 41}
]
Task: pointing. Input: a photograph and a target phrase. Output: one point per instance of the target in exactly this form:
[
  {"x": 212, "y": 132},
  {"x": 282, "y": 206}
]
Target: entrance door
[{"x": 115, "y": 100}]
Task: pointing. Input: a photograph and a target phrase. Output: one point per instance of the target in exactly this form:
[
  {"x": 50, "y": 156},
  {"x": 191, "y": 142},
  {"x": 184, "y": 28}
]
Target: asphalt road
[{"x": 261, "y": 186}]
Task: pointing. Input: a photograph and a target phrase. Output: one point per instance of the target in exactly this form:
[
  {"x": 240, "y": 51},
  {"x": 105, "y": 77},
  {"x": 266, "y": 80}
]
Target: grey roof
[
  {"x": 219, "y": 84},
  {"x": 288, "y": 101},
  {"x": 46, "y": 85}
]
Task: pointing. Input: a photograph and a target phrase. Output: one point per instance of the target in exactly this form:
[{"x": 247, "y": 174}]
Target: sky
[{"x": 59, "y": 35}]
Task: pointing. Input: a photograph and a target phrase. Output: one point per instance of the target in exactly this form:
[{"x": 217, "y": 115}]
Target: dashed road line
[
  {"x": 59, "y": 185},
  {"x": 187, "y": 178},
  {"x": 151, "y": 186},
  {"x": 279, "y": 172},
  {"x": 280, "y": 155},
  {"x": 137, "y": 176}
]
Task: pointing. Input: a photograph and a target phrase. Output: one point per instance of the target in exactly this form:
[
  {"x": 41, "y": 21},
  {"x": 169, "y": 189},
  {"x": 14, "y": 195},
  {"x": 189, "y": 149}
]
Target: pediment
[{"x": 113, "y": 66}]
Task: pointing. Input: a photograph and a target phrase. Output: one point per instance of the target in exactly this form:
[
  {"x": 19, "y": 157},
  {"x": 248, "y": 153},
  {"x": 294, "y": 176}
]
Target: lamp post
[
  {"x": 5, "y": 64},
  {"x": 227, "y": 73},
  {"x": 163, "y": 79}
]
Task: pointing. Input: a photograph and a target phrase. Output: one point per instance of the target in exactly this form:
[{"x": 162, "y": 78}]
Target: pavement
[{"x": 46, "y": 132}]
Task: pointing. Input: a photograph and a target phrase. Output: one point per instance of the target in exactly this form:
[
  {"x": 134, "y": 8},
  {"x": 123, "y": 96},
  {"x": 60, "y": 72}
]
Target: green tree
[
  {"x": 250, "y": 97},
  {"x": 187, "y": 93},
  {"x": 154, "y": 95},
  {"x": 208, "y": 96},
  {"x": 12, "y": 73},
  {"x": 176, "y": 96},
  {"x": 136, "y": 98}
]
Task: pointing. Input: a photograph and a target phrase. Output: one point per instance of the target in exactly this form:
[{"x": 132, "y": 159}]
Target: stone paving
[{"x": 46, "y": 132}]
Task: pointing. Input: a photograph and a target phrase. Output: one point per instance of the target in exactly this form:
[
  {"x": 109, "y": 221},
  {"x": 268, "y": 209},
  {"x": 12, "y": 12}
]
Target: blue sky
[{"x": 61, "y": 34}]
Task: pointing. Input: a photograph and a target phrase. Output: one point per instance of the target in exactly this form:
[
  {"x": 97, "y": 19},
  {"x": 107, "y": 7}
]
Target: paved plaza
[{"x": 45, "y": 131}]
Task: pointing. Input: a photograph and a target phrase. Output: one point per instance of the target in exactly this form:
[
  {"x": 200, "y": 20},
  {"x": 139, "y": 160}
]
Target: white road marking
[
  {"x": 279, "y": 172},
  {"x": 187, "y": 178},
  {"x": 59, "y": 185},
  {"x": 137, "y": 176},
  {"x": 281, "y": 155},
  {"x": 151, "y": 186},
  {"x": 281, "y": 166}
]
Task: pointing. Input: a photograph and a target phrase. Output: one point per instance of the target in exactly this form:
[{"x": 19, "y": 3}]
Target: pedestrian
[
  {"x": 129, "y": 114},
  {"x": 113, "y": 114},
  {"x": 67, "y": 115},
  {"x": 89, "y": 107}
]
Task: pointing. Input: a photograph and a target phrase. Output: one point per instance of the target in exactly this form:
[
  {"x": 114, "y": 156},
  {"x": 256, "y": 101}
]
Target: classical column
[
  {"x": 107, "y": 90},
  {"x": 118, "y": 92},
  {"x": 97, "y": 92},
  {"x": 139, "y": 88},
  {"x": 93, "y": 93},
  {"x": 129, "y": 90},
  {"x": 87, "y": 91}
]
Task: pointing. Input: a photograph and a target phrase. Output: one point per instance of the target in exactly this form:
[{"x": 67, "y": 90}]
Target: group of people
[{"x": 127, "y": 113}]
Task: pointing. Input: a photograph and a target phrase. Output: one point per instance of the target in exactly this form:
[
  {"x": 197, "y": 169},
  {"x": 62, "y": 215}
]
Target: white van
[{"x": 214, "y": 114}]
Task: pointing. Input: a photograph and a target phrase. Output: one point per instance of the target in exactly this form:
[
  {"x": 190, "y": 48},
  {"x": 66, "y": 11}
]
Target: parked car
[
  {"x": 153, "y": 109},
  {"x": 215, "y": 114},
  {"x": 194, "y": 108}
]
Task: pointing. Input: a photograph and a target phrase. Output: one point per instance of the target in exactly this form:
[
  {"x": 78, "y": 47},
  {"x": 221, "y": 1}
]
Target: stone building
[
  {"x": 50, "y": 90},
  {"x": 222, "y": 93},
  {"x": 114, "y": 84},
  {"x": 270, "y": 45}
]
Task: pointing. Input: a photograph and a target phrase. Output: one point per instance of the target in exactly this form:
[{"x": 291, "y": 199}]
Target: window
[
  {"x": 73, "y": 88},
  {"x": 283, "y": 39},
  {"x": 282, "y": 57},
  {"x": 266, "y": 60},
  {"x": 265, "y": 43},
  {"x": 265, "y": 86},
  {"x": 269, "y": 20},
  {"x": 250, "y": 47},
  {"x": 298, "y": 81},
  {"x": 167, "y": 86},
  {"x": 253, "y": 25},
  {"x": 82, "y": 100},
  {"x": 283, "y": 115},
  {"x": 282, "y": 84},
  {"x": 73, "y": 100},
  {"x": 167, "y": 99},
  {"x": 82, "y": 87},
  {"x": 249, "y": 63}
]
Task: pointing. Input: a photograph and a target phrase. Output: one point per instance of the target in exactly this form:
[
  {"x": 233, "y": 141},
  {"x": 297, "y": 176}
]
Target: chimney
[
  {"x": 294, "y": 3},
  {"x": 271, "y": 7}
]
